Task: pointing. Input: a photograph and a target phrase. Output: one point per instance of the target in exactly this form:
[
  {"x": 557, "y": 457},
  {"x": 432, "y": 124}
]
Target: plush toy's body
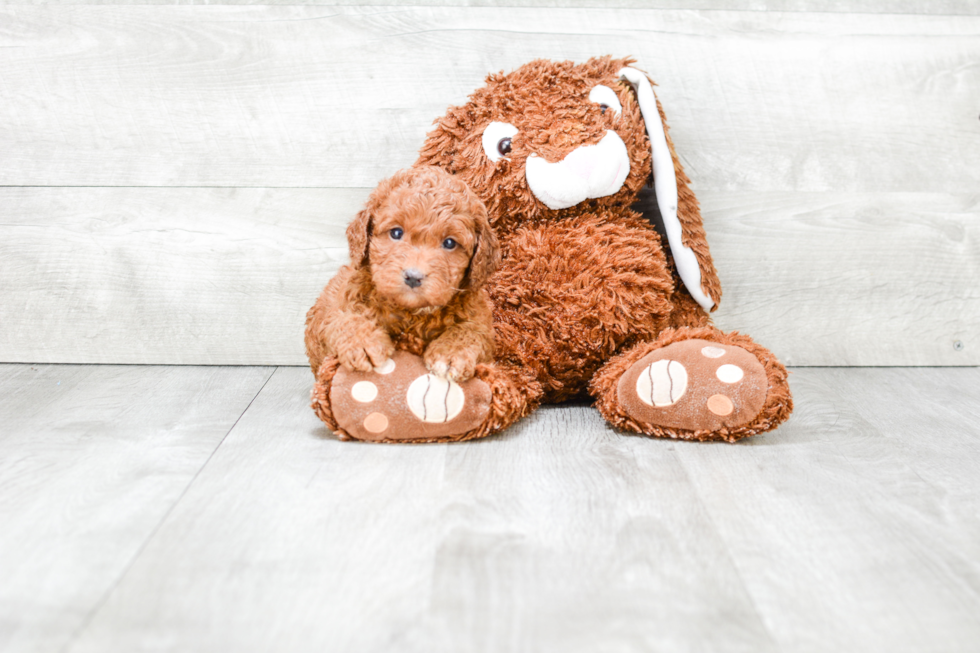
[{"x": 588, "y": 297}]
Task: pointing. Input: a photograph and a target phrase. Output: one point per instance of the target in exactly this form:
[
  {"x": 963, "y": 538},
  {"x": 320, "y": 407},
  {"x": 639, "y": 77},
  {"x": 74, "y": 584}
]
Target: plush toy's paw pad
[
  {"x": 435, "y": 400},
  {"x": 401, "y": 400},
  {"x": 696, "y": 385}
]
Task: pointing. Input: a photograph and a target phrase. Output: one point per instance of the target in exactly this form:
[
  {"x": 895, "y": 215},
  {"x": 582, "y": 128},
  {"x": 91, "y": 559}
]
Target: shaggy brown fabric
[
  {"x": 572, "y": 292},
  {"x": 577, "y": 286}
]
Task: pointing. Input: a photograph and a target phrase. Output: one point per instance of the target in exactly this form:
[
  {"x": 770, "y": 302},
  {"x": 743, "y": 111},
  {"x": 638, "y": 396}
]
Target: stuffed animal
[{"x": 589, "y": 299}]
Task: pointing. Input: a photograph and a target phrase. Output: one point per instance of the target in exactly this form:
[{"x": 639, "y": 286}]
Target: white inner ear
[
  {"x": 492, "y": 135},
  {"x": 605, "y": 95},
  {"x": 665, "y": 183}
]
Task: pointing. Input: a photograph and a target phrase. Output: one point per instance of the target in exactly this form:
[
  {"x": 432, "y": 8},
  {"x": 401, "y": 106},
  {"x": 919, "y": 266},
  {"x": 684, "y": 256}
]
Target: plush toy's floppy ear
[
  {"x": 358, "y": 235},
  {"x": 678, "y": 206},
  {"x": 486, "y": 254}
]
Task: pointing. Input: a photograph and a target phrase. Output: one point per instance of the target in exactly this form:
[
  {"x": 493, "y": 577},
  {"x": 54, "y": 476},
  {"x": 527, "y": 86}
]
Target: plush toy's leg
[
  {"x": 694, "y": 384},
  {"x": 402, "y": 402}
]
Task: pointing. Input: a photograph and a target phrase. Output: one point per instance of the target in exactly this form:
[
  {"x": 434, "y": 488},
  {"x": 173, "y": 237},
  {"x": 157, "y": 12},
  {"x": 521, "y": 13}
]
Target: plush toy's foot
[
  {"x": 694, "y": 384},
  {"x": 403, "y": 402}
]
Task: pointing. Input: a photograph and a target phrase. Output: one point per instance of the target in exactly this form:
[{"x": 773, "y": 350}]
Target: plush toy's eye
[
  {"x": 497, "y": 140},
  {"x": 606, "y": 98},
  {"x": 397, "y": 233},
  {"x": 449, "y": 243}
]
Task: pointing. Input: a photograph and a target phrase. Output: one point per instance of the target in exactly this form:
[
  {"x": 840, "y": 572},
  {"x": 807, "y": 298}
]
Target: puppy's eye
[
  {"x": 449, "y": 243},
  {"x": 497, "y": 140},
  {"x": 397, "y": 233},
  {"x": 606, "y": 98}
]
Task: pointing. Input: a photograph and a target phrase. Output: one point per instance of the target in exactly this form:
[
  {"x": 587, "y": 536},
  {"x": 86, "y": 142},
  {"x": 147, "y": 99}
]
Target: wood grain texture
[
  {"x": 856, "y": 526},
  {"x": 343, "y": 96},
  {"x": 207, "y": 276},
  {"x": 225, "y": 276},
  {"x": 852, "y": 527},
  {"x": 91, "y": 460},
  {"x": 933, "y": 7},
  {"x": 558, "y": 536},
  {"x": 848, "y": 278}
]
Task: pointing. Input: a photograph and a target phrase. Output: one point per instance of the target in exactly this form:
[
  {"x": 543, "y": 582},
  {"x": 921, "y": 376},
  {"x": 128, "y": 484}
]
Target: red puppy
[{"x": 420, "y": 250}]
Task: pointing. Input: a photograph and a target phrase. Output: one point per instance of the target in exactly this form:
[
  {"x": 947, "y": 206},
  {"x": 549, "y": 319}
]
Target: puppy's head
[{"x": 425, "y": 236}]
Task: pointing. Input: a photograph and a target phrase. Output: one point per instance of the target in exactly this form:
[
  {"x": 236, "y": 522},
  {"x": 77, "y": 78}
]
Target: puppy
[{"x": 420, "y": 251}]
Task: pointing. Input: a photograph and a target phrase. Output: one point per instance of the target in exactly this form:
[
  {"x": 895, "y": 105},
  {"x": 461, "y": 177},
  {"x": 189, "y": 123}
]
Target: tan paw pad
[
  {"x": 376, "y": 423},
  {"x": 729, "y": 373},
  {"x": 662, "y": 383},
  {"x": 364, "y": 391},
  {"x": 712, "y": 352},
  {"x": 434, "y": 399},
  {"x": 720, "y": 405}
]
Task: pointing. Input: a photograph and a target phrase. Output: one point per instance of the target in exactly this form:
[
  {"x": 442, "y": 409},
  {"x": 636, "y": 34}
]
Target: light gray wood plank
[
  {"x": 836, "y": 532},
  {"x": 91, "y": 460},
  {"x": 933, "y": 7},
  {"x": 856, "y": 526},
  {"x": 208, "y": 276},
  {"x": 343, "y": 96},
  {"x": 850, "y": 279},
  {"x": 949, "y": 398},
  {"x": 225, "y": 276},
  {"x": 560, "y": 535}
]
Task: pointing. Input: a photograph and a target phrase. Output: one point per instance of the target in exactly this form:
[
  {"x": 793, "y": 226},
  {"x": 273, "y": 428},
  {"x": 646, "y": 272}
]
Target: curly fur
[{"x": 368, "y": 309}]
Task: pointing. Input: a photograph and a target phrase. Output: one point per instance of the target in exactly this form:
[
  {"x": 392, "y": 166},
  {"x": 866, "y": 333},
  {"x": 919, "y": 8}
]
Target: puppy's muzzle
[{"x": 413, "y": 277}]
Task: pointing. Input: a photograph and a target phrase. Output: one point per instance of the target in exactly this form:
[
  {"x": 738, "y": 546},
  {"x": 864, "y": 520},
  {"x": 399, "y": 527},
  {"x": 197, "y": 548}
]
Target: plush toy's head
[
  {"x": 549, "y": 139},
  {"x": 425, "y": 236},
  {"x": 557, "y": 139}
]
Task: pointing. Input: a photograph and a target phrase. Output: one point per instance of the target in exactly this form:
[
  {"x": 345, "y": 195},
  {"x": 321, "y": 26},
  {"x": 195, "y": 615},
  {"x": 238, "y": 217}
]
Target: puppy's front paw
[
  {"x": 365, "y": 354},
  {"x": 455, "y": 365}
]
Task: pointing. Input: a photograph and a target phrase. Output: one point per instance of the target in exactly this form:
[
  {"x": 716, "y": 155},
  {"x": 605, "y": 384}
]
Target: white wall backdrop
[{"x": 175, "y": 180}]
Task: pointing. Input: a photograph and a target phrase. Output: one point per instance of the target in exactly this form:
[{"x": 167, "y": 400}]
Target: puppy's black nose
[{"x": 413, "y": 278}]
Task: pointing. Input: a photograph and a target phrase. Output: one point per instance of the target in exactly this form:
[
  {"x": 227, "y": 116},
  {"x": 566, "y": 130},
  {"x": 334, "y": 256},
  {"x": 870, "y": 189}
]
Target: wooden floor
[{"x": 206, "y": 509}]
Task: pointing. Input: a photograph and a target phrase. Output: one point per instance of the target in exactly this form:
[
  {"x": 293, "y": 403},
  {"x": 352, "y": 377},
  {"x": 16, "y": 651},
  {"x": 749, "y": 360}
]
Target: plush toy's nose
[
  {"x": 569, "y": 135},
  {"x": 413, "y": 277}
]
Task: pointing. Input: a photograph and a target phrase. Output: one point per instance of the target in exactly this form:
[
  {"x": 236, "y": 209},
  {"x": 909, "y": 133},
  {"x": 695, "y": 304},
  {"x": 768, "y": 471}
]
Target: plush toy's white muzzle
[{"x": 585, "y": 173}]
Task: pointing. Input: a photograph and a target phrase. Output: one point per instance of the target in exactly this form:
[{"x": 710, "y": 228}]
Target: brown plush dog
[
  {"x": 421, "y": 251},
  {"x": 589, "y": 296}
]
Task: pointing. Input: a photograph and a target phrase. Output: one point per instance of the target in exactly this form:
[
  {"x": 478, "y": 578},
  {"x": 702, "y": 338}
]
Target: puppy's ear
[
  {"x": 358, "y": 237},
  {"x": 486, "y": 252}
]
